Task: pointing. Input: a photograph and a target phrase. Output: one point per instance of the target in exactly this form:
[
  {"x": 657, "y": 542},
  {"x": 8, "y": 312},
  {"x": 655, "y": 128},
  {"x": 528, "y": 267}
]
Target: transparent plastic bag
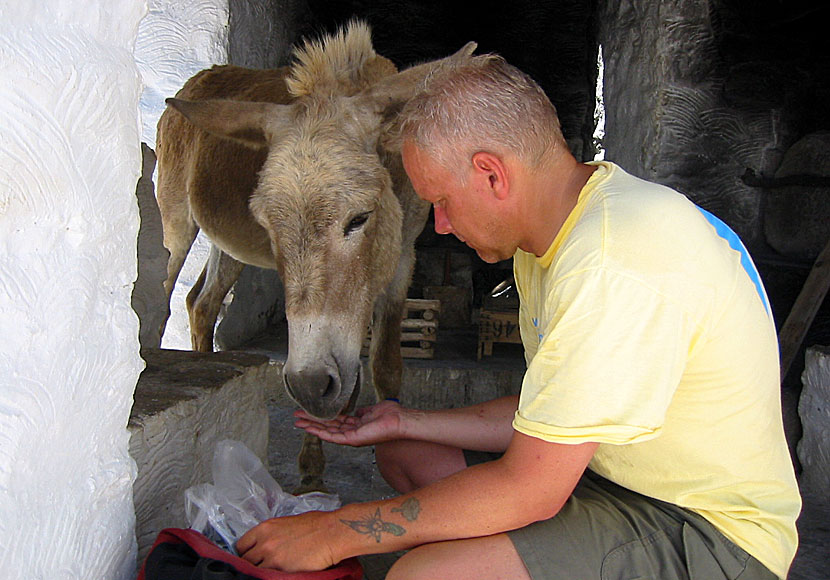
[{"x": 242, "y": 495}]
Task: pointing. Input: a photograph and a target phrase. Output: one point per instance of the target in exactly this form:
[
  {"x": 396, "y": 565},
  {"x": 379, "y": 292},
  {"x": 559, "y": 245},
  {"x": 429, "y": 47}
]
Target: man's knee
[
  {"x": 428, "y": 562},
  {"x": 394, "y": 465},
  {"x": 409, "y": 465},
  {"x": 410, "y": 566},
  {"x": 471, "y": 559}
]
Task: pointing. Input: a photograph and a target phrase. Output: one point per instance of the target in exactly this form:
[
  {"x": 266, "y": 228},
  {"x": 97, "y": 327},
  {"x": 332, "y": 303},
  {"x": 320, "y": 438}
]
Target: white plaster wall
[
  {"x": 69, "y": 360},
  {"x": 177, "y": 39}
]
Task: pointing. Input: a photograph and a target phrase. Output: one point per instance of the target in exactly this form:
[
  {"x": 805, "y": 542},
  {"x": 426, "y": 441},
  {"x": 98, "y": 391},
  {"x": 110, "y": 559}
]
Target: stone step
[{"x": 185, "y": 403}]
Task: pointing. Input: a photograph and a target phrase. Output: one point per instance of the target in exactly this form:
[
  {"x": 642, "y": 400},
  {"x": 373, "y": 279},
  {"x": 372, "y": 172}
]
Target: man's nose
[{"x": 442, "y": 222}]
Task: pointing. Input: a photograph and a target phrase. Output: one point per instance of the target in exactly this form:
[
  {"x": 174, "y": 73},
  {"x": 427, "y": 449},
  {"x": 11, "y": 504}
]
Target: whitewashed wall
[
  {"x": 177, "y": 39},
  {"x": 69, "y": 361}
]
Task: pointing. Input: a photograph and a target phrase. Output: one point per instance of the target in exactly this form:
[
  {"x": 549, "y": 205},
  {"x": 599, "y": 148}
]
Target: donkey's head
[{"x": 325, "y": 199}]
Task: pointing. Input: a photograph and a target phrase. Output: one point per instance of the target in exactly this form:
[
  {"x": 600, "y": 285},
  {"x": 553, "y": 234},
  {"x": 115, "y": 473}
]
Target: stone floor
[{"x": 351, "y": 473}]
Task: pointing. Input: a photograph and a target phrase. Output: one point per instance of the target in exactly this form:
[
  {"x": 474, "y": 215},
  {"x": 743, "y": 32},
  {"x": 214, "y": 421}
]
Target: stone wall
[
  {"x": 699, "y": 92},
  {"x": 814, "y": 408},
  {"x": 149, "y": 299},
  {"x": 262, "y": 33},
  {"x": 668, "y": 118}
]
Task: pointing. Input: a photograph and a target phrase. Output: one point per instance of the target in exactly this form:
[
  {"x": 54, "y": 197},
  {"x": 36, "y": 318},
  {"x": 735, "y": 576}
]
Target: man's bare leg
[{"x": 487, "y": 558}]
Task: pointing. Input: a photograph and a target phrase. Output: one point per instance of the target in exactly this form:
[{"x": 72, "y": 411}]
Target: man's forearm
[
  {"x": 484, "y": 427},
  {"x": 475, "y": 502},
  {"x": 478, "y": 501}
]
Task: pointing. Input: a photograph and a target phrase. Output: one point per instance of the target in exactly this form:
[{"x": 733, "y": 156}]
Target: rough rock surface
[
  {"x": 185, "y": 403},
  {"x": 682, "y": 112},
  {"x": 812, "y": 560},
  {"x": 814, "y": 409},
  {"x": 256, "y": 302},
  {"x": 797, "y": 218},
  {"x": 149, "y": 299}
]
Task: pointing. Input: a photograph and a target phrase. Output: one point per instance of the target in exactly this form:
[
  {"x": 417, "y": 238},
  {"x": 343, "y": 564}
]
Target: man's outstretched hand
[{"x": 368, "y": 426}]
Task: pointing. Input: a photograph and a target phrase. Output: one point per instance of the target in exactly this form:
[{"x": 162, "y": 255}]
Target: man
[{"x": 652, "y": 363}]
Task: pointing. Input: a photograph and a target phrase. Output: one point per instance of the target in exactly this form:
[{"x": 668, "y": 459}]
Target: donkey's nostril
[
  {"x": 331, "y": 389},
  {"x": 307, "y": 385}
]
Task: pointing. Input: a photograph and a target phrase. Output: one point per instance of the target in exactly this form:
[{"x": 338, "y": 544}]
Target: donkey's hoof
[{"x": 310, "y": 483}]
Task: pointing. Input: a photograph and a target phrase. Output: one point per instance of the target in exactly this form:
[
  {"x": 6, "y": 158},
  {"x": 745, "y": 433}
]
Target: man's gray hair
[{"x": 481, "y": 104}]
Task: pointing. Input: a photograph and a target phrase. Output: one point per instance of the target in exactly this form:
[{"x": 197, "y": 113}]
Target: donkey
[{"x": 296, "y": 169}]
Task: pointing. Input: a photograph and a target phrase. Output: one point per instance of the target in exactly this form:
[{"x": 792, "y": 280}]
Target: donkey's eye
[{"x": 356, "y": 223}]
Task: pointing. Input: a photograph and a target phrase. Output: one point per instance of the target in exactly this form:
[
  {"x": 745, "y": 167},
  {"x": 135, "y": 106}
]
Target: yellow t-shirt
[{"x": 646, "y": 331}]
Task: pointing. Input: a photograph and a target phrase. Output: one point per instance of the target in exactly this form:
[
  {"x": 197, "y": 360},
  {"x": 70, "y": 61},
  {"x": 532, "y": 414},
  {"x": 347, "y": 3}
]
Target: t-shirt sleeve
[{"x": 610, "y": 357}]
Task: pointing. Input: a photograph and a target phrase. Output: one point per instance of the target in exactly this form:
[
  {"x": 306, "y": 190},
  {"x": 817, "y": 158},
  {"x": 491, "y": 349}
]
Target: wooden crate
[
  {"x": 419, "y": 329},
  {"x": 497, "y": 326}
]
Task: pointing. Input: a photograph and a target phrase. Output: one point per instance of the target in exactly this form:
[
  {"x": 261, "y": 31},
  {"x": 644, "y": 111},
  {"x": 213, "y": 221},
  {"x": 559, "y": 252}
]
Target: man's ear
[{"x": 492, "y": 169}]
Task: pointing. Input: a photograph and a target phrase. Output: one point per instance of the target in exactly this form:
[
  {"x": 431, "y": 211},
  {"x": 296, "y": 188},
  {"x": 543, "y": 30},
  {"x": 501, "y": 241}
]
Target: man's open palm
[{"x": 368, "y": 426}]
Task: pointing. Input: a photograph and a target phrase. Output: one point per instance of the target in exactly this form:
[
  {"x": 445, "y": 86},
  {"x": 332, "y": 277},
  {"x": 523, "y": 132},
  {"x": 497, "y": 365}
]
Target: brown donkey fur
[{"x": 292, "y": 169}]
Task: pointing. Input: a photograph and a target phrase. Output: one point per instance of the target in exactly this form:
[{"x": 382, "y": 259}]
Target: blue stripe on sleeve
[{"x": 725, "y": 232}]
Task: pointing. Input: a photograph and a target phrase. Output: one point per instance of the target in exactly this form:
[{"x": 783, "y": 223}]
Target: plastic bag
[{"x": 242, "y": 495}]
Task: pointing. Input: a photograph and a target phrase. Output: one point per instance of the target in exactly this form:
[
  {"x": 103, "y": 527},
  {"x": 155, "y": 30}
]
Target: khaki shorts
[{"x": 607, "y": 532}]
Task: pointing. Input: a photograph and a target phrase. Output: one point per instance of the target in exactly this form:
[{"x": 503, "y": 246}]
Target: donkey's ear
[
  {"x": 253, "y": 124},
  {"x": 391, "y": 92}
]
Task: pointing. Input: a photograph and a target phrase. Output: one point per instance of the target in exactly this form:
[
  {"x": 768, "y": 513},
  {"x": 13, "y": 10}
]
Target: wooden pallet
[
  {"x": 419, "y": 329},
  {"x": 497, "y": 326}
]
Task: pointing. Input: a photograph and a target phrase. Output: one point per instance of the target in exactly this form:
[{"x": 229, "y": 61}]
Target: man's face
[{"x": 464, "y": 209}]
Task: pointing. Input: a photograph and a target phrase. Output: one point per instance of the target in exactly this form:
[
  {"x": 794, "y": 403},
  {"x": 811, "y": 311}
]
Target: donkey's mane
[{"x": 341, "y": 63}]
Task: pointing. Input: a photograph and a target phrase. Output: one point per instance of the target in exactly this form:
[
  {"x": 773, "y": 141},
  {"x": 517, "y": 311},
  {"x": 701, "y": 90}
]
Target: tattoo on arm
[
  {"x": 374, "y": 526},
  {"x": 409, "y": 509}
]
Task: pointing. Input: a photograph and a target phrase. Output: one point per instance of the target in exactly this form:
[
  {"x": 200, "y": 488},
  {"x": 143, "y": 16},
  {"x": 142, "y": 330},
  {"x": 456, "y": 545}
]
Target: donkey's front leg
[
  {"x": 311, "y": 463},
  {"x": 385, "y": 361}
]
